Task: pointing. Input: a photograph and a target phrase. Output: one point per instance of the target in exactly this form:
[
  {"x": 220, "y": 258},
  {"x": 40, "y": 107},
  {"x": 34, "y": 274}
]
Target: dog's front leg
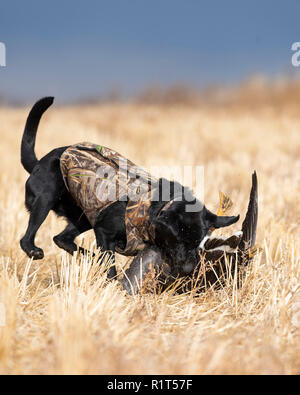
[
  {"x": 112, "y": 272},
  {"x": 107, "y": 244}
]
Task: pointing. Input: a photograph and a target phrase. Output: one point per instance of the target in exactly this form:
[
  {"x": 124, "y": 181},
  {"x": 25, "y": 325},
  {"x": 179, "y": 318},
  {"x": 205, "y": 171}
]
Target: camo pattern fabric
[{"x": 97, "y": 176}]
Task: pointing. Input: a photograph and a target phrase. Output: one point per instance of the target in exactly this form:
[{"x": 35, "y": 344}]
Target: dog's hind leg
[
  {"x": 65, "y": 239},
  {"x": 77, "y": 224},
  {"x": 38, "y": 213},
  {"x": 44, "y": 189}
]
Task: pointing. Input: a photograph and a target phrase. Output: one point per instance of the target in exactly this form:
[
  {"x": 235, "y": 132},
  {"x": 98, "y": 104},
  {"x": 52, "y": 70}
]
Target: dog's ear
[
  {"x": 217, "y": 221},
  {"x": 166, "y": 229}
]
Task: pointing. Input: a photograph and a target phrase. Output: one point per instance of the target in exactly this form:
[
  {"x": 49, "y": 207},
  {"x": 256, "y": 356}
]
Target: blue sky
[{"x": 82, "y": 49}]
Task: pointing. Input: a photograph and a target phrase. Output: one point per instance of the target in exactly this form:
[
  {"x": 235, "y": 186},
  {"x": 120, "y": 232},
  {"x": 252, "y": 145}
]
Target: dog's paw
[{"x": 37, "y": 253}]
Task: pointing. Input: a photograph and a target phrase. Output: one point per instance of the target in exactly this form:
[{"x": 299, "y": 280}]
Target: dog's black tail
[{"x": 28, "y": 157}]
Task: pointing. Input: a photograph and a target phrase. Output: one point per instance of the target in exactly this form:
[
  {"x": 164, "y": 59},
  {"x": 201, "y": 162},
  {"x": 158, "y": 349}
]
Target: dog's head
[{"x": 179, "y": 232}]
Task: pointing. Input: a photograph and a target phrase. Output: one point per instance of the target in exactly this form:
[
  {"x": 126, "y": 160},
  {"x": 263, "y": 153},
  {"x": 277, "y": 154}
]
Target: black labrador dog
[{"x": 170, "y": 226}]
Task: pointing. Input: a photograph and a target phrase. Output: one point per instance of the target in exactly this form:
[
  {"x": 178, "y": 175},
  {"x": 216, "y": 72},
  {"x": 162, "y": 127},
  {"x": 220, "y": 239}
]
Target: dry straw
[{"x": 62, "y": 316}]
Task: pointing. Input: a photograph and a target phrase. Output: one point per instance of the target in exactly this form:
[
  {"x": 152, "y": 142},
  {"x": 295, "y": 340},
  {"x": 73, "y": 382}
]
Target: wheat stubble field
[{"x": 61, "y": 316}]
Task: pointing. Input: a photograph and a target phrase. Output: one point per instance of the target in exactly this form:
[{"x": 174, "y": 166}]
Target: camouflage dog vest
[{"x": 97, "y": 176}]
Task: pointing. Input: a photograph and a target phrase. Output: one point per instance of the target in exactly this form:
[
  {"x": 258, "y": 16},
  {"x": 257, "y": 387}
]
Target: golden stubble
[{"x": 62, "y": 316}]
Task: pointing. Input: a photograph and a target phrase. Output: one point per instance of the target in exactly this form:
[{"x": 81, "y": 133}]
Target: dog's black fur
[{"x": 177, "y": 233}]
